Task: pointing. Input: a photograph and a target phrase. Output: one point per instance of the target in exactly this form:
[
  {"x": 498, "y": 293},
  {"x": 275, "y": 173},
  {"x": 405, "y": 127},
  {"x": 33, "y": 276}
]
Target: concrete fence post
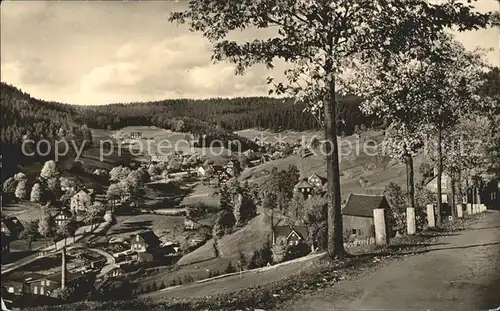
[
  {"x": 469, "y": 209},
  {"x": 483, "y": 207},
  {"x": 380, "y": 226},
  {"x": 460, "y": 211},
  {"x": 431, "y": 219},
  {"x": 411, "y": 226}
]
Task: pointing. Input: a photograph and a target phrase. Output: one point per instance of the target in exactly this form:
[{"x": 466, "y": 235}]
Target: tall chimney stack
[{"x": 63, "y": 268}]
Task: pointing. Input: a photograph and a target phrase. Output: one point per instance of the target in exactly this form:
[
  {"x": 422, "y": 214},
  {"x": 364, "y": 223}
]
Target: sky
[{"x": 86, "y": 52}]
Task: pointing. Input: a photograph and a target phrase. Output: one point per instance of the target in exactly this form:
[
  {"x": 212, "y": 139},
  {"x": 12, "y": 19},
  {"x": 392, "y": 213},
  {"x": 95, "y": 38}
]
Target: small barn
[{"x": 357, "y": 215}]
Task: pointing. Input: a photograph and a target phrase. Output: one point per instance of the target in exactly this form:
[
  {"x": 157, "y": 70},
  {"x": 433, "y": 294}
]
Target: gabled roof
[
  {"x": 65, "y": 213},
  {"x": 302, "y": 184},
  {"x": 287, "y": 231},
  {"x": 362, "y": 205},
  {"x": 323, "y": 179},
  {"x": 13, "y": 224},
  {"x": 150, "y": 238}
]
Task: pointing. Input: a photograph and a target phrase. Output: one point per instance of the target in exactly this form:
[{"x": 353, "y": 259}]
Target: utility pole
[{"x": 63, "y": 268}]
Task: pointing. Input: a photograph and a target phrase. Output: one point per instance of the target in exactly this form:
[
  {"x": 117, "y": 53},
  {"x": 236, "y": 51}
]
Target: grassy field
[
  {"x": 202, "y": 194},
  {"x": 235, "y": 282},
  {"x": 166, "y": 227},
  {"x": 355, "y": 166},
  {"x": 24, "y": 211}
]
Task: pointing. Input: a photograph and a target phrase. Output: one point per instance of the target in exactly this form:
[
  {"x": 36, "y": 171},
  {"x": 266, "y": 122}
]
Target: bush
[
  {"x": 279, "y": 250},
  {"x": 230, "y": 268},
  {"x": 296, "y": 251}
]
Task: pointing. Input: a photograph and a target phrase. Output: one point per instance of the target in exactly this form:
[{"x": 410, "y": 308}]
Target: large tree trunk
[
  {"x": 440, "y": 170},
  {"x": 335, "y": 227},
  {"x": 410, "y": 183},
  {"x": 453, "y": 197}
]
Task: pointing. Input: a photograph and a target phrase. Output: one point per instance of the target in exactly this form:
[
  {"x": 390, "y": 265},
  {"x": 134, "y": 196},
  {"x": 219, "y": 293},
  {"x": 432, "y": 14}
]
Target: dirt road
[{"x": 462, "y": 272}]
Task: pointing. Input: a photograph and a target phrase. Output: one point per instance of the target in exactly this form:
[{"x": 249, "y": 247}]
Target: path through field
[{"x": 461, "y": 273}]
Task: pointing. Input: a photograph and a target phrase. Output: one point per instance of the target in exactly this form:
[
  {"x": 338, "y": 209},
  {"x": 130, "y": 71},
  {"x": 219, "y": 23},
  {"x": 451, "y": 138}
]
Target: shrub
[
  {"x": 296, "y": 251},
  {"x": 230, "y": 268},
  {"x": 279, "y": 250}
]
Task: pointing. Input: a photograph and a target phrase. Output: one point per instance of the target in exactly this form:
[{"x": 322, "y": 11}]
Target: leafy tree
[
  {"x": 30, "y": 232},
  {"x": 242, "y": 261},
  {"x": 46, "y": 225},
  {"x": 20, "y": 192},
  {"x": 54, "y": 186},
  {"x": 36, "y": 193},
  {"x": 67, "y": 229},
  {"x": 118, "y": 173},
  {"x": 9, "y": 186},
  {"x": 452, "y": 78},
  {"x": 114, "y": 193},
  {"x": 297, "y": 208},
  {"x": 317, "y": 38},
  {"x": 229, "y": 268},
  {"x": 261, "y": 257},
  {"x": 224, "y": 223},
  {"x": 398, "y": 202},
  {"x": 20, "y": 176},
  {"x": 49, "y": 170},
  {"x": 316, "y": 215},
  {"x": 94, "y": 214}
]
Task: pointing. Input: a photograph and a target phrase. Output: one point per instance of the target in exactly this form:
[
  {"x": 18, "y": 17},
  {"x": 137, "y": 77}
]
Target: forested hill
[
  {"x": 24, "y": 117},
  {"x": 232, "y": 114},
  {"x": 27, "y": 118}
]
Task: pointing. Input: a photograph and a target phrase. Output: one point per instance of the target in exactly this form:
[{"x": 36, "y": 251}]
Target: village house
[
  {"x": 5, "y": 240},
  {"x": 313, "y": 184},
  {"x": 317, "y": 181},
  {"x": 136, "y": 135},
  {"x": 357, "y": 215},
  {"x": 62, "y": 217},
  {"x": 46, "y": 284},
  {"x": 294, "y": 235},
  {"x": 233, "y": 167},
  {"x": 12, "y": 227},
  {"x": 432, "y": 184},
  {"x": 190, "y": 224},
  {"x": 303, "y": 187},
  {"x": 115, "y": 272},
  {"x": 201, "y": 171},
  {"x": 145, "y": 242},
  {"x": 81, "y": 201},
  {"x": 16, "y": 282}
]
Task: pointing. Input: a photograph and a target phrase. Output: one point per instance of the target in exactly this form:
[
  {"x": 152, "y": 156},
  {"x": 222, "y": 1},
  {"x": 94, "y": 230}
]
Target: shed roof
[{"x": 363, "y": 204}]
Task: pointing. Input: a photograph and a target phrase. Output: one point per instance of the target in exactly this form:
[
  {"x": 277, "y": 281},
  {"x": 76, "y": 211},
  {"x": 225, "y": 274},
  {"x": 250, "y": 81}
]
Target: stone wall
[{"x": 360, "y": 242}]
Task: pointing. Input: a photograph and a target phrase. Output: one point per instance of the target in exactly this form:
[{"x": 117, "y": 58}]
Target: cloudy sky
[{"x": 102, "y": 52}]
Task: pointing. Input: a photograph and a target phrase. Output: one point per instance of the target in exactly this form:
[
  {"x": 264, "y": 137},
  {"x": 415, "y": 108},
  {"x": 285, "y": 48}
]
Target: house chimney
[
  {"x": 436, "y": 171},
  {"x": 63, "y": 268}
]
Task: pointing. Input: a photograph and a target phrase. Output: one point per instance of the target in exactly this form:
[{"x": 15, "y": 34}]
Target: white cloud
[{"x": 125, "y": 51}]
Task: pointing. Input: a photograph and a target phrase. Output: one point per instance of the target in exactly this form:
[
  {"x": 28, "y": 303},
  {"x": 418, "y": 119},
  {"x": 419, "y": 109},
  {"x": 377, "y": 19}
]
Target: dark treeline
[{"x": 231, "y": 114}]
